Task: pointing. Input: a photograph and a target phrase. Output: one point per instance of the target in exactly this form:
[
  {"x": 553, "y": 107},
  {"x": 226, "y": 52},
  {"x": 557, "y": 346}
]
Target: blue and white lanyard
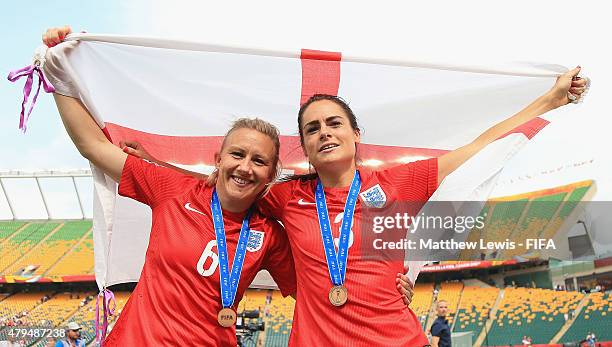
[
  {"x": 336, "y": 263},
  {"x": 229, "y": 281}
]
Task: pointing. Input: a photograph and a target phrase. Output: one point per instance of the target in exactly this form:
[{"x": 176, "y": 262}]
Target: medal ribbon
[
  {"x": 336, "y": 263},
  {"x": 229, "y": 280}
]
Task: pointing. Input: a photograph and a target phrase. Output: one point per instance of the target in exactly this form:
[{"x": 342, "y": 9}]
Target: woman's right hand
[
  {"x": 54, "y": 36},
  {"x": 136, "y": 149}
]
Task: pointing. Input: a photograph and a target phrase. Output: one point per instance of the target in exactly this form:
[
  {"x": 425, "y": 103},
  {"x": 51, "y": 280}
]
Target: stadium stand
[
  {"x": 421, "y": 302},
  {"x": 504, "y": 217},
  {"x": 474, "y": 308},
  {"x": 8, "y": 228},
  {"x": 451, "y": 293},
  {"x": 534, "y": 312},
  {"x": 78, "y": 261},
  {"x": 539, "y": 279},
  {"x": 596, "y": 317},
  {"x": 476, "y": 234},
  {"x": 19, "y": 303},
  {"x": 22, "y": 241},
  {"x": 15, "y": 310},
  {"x": 55, "y": 310},
  {"x": 538, "y": 214},
  {"x": 569, "y": 206},
  {"x": 85, "y": 317},
  {"x": 53, "y": 251},
  {"x": 279, "y": 321},
  {"x": 48, "y": 252},
  {"x": 254, "y": 299}
]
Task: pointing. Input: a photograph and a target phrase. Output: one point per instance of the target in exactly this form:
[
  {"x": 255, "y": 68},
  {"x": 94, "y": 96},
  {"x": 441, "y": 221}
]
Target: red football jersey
[
  {"x": 178, "y": 297},
  {"x": 374, "y": 314}
]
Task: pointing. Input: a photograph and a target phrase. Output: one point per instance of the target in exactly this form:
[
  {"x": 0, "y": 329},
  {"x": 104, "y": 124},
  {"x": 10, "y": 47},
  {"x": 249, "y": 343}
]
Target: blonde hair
[{"x": 265, "y": 128}]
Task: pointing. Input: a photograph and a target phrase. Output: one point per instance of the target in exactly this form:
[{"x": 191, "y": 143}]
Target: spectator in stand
[
  {"x": 440, "y": 330},
  {"x": 590, "y": 339},
  {"x": 269, "y": 297},
  {"x": 73, "y": 337},
  {"x": 10, "y": 342}
]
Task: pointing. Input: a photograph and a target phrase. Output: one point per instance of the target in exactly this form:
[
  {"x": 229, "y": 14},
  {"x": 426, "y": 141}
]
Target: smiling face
[
  {"x": 245, "y": 165},
  {"x": 328, "y": 136}
]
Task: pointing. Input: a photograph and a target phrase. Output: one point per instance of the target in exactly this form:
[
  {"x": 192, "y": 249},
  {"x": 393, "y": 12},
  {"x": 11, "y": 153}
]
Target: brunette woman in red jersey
[{"x": 352, "y": 304}]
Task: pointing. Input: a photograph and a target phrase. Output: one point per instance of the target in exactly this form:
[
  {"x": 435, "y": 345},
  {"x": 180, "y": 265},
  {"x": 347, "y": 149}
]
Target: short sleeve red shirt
[
  {"x": 375, "y": 314},
  {"x": 177, "y": 298}
]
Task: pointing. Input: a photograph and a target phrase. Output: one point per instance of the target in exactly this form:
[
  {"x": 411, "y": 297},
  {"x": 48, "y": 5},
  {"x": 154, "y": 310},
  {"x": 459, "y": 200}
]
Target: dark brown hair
[{"x": 319, "y": 97}]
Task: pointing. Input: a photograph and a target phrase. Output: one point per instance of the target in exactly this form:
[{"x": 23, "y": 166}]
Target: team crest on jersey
[
  {"x": 255, "y": 240},
  {"x": 374, "y": 197}
]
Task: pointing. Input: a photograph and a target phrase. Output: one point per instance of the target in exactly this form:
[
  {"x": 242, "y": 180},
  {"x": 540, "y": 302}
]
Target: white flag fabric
[{"x": 179, "y": 98}]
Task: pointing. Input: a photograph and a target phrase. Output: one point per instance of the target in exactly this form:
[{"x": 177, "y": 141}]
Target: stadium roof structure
[{"x": 49, "y": 194}]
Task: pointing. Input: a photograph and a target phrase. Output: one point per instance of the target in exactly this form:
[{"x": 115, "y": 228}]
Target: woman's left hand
[
  {"x": 405, "y": 288},
  {"x": 569, "y": 87}
]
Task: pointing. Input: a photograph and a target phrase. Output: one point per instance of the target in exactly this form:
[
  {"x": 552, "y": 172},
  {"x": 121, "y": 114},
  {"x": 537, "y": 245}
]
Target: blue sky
[
  {"x": 45, "y": 144},
  {"x": 472, "y": 31}
]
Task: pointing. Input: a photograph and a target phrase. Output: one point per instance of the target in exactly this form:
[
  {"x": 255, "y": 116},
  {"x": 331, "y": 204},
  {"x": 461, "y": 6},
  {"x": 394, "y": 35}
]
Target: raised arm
[
  {"x": 566, "y": 84},
  {"x": 81, "y": 127},
  {"x": 88, "y": 137}
]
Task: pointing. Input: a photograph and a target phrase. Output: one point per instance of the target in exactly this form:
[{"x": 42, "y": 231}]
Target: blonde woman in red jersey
[{"x": 183, "y": 296}]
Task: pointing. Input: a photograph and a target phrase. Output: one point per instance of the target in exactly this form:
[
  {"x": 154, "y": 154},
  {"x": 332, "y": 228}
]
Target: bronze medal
[
  {"x": 226, "y": 317},
  {"x": 338, "y": 295}
]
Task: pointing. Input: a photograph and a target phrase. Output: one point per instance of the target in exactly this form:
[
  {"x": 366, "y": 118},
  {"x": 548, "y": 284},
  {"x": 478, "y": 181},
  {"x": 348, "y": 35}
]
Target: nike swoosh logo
[
  {"x": 188, "y": 206},
  {"x": 302, "y": 202}
]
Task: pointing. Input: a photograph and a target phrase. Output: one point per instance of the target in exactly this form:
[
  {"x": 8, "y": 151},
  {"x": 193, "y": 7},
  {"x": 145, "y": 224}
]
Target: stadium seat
[
  {"x": 596, "y": 317},
  {"x": 48, "y": 252},
  {"x": 474, "y": 308},
  {"x": 539, "y": 312},
  {"x": 538, "y": 215},
  {"x": 8, "y": 228},
  {"x": 278, "y": 325},
  {"x": 79, "y": 260},
  {"x": 421, "y": 301},
  {"x": 450, "y": 292},
  {"x": 22, "y": 242}
]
